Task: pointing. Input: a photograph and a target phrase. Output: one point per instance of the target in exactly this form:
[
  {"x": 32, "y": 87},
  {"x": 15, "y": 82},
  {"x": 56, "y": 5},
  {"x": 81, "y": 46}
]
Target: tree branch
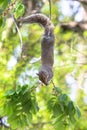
[
  {"x": 74, "y": 26},
  {"x": 83, "y": 1}
]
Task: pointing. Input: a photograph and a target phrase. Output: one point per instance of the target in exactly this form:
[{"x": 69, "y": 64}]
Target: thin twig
[
  {"x": 53, "y": 83},
  {"x": 20, "y": 36}
]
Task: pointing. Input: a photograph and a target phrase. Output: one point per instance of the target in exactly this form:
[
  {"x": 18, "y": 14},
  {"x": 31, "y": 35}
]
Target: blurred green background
[{"x": 27, "y": 103}]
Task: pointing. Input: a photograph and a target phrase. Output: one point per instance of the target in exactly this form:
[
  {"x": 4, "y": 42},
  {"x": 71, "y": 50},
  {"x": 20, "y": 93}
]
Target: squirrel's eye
[{"x": 44, "y": 78}]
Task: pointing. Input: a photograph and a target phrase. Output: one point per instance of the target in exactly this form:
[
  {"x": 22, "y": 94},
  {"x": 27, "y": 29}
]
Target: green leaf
[
  {"x": 1, "y": 12},
  {"x": 72, "y": 119},
  {"x": 2, "y": 22},
  {"x": 71, "y": 108},
  {"x": 78, "y": 112},
  {"x": 18, "y": 89},
  {"x": 58, "y": 119},
  {"x": 10, "y": 92},
  {"x": 19, "y": 10},
  {"x": 57, "y": 110},
  {"x": 63, "y": 98},
  {"x": 1, "y": 1},
  {"x": 4, "y": 3}
]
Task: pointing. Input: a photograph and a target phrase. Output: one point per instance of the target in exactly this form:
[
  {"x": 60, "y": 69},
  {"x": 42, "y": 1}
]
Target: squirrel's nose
[{"x": 47, "y": 83}]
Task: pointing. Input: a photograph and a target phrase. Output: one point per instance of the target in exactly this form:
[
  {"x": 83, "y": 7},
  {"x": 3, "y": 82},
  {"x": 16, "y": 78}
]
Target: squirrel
[{"x": 47, "y": 45}]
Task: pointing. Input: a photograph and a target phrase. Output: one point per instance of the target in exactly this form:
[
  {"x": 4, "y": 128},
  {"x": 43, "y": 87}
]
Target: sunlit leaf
[{"x": 78, "y": 112}]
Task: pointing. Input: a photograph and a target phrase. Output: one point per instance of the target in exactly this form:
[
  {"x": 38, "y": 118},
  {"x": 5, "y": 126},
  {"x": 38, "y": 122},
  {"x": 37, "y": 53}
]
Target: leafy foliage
[
  {"x": 15, "y": 8},
  {"x": 63, "y": 109},
  {"x": 19, "y": 106},
  {"x": 18, "y": 10}
]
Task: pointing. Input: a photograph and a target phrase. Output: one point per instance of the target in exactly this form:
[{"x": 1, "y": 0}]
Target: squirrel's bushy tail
[{"x": 40, "y": 19}]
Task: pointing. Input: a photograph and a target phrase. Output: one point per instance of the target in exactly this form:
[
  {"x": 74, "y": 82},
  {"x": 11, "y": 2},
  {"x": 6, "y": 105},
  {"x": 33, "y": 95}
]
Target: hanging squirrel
[{"x": 47, "y": 46}]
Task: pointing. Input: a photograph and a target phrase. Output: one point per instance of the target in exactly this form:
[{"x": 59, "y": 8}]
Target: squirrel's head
[{"x": 43, "y": 77}]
